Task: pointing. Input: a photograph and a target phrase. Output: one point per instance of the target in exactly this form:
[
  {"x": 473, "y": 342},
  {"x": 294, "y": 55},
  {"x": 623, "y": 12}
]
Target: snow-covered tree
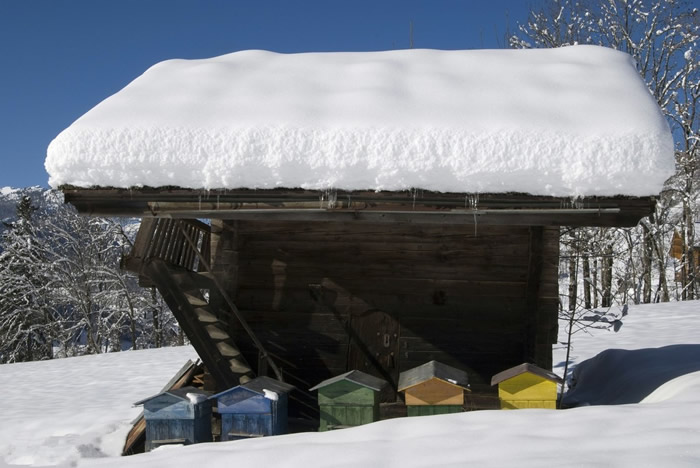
[
  {"x": 62, "y": 291},
  {"x": 663, "y": 36},
  {"x": 26, "y": 317}
]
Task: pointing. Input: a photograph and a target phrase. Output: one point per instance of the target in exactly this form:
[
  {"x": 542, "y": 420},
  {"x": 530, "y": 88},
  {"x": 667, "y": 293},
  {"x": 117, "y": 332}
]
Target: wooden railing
[
  {"x": 183, "y": 243},
  {"x": 165, "y": 239}
]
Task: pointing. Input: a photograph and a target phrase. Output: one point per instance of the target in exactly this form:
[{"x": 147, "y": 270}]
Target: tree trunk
[
  {"x": 607, "y": 276},
  {"x": 586, "y": 282},
  {"x": 646, "y": 264},
  {"x": 663, "y": 283},
  {"x": 595, "y": 283},
  {"x": 155, "y": 314},
  {"x": 573, "y": 287},
  {"x": 690, "y": 253},
  {"x": 573, "y": 271}
]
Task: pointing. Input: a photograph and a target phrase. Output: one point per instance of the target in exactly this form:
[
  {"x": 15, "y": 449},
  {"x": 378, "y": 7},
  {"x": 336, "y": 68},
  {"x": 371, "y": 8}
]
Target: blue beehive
[
  {"x": 256, "y": 408},
  {"x": 181, "y": 416}
]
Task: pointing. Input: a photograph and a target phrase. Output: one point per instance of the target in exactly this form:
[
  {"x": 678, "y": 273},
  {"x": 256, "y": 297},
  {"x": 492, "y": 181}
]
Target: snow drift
[{"x": 564, "y": 122}]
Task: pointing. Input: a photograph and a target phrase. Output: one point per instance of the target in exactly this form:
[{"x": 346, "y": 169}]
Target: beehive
[
  {"x": 349, "y": 399},
  {"x": 433, "y": 388},
  {"x": 254, "y": 409},
  {"x": 181, "y": 416},
  {"x": 527, "y": 386}
]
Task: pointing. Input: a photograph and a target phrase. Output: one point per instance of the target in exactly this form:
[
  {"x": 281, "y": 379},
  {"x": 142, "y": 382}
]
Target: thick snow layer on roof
[{"x": 564, "y": 122}]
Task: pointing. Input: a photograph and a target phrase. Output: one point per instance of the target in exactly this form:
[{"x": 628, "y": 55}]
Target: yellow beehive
[{"x": 527, "y": 386}]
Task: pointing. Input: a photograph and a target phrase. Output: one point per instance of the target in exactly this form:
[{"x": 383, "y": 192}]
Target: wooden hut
[
  {"x": 349, "y": 399},
  {"x": 527, "y": 386},
  {"x": 433, "y": 388},
  {"x": 180, "y": 416},
  {"x": 686, "y": 268},
  {"x": 342, "y": 225},
  {"x": 254, "y": 409}
]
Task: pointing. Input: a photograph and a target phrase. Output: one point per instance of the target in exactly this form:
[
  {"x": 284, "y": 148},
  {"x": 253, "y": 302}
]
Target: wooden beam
[
  {"x": 534, "y": 279},
  {"x": 416, "y": 207}
]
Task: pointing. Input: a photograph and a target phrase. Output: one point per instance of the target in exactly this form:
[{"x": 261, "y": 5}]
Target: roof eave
[{"x": 419, "y": 207}]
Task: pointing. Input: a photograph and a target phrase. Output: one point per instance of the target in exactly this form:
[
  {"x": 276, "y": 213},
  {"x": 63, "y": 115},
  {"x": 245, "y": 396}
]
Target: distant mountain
[
  {"x": 46, "y": 200},
  {"x": 43, "y": 199}
]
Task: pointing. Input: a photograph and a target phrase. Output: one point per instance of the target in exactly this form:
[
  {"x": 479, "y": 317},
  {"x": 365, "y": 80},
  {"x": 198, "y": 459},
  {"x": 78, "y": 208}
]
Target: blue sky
[{"x": 59, "y": 58}]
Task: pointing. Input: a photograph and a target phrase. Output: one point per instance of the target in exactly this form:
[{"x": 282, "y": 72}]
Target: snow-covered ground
[
  {"x": 57, "y": 412},
  {"x": 76, "y": 411}
]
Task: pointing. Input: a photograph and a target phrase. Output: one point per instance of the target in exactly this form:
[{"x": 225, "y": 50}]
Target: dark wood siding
[{"x": 457, "y": 294}]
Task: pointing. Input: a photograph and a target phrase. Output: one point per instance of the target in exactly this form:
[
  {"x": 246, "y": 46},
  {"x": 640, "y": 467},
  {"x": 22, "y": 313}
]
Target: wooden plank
[
  {"x": 129, "y": 202},
  {"x": 415, "y": 303},
  {"x": 483, "y": 218},
  {"x": 309, "y": 253},
  {"x": 295, "y": 276},
  {"x": 407, "y": 286},
  {"x": 381, "y": 237},
  {"x": 534, "y": 281}
]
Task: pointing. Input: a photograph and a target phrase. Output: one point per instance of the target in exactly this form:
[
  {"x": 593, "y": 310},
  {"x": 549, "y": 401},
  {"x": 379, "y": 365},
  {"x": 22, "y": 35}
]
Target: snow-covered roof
[{"x": 564, "y": 122}]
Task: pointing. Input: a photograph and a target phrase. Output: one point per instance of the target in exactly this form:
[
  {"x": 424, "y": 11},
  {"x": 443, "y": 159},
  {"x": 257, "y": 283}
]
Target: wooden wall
[{"x": 329, "y": 297}]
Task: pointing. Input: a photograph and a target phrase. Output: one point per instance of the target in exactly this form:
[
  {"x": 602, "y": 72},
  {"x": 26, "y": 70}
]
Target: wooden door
[{"x": 374, "y": 347}]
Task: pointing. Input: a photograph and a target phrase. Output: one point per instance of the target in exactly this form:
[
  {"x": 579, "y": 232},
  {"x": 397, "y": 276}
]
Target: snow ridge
[{"x": 439, "y": 159}]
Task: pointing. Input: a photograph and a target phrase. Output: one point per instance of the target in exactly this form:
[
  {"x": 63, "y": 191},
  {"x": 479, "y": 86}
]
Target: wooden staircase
[{"x": 173, "y": 256}]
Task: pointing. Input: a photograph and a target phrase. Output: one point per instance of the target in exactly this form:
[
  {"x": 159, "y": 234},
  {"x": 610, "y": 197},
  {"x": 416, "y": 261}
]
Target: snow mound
[
  {"x": 676, "y": 389},
  {"x": 564, "y": 122},
  {"x": 618, "y": 376}
]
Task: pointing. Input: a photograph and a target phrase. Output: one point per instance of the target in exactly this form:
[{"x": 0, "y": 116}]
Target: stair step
[
  {"x": 192, "y": 279},
  {"x": 244, "y": 379},
  {"x": 195, "y": 300},
  {"x": 227, "y": 350},
  {"x": 216, "y": 333},
  {"x": 203, "y": 315},
  {"x": 239, "y": 367}
]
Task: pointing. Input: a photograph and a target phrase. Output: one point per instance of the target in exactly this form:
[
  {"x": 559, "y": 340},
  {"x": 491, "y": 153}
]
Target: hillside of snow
[
  {"x": 76, "y": 411},
  {"x": 571, "y": 121}
]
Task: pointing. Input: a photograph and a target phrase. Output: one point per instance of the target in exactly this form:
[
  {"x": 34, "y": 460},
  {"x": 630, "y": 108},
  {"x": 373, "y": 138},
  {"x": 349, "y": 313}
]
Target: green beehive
[{"x": 350, "y": 399}]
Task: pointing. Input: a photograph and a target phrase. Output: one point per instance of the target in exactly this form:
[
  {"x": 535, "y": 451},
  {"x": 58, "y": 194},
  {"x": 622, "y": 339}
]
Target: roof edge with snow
[{"x": 568, "y": 122}]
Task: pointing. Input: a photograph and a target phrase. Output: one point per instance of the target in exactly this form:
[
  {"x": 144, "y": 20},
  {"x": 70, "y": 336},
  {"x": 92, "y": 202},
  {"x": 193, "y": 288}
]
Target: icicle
[{"x": 576, "y": 203}]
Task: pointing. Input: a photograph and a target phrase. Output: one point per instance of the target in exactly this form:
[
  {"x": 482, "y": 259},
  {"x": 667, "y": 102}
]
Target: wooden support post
[
  {"x": 224, "y": 264},
  {"x": 534, "y": 279}
]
